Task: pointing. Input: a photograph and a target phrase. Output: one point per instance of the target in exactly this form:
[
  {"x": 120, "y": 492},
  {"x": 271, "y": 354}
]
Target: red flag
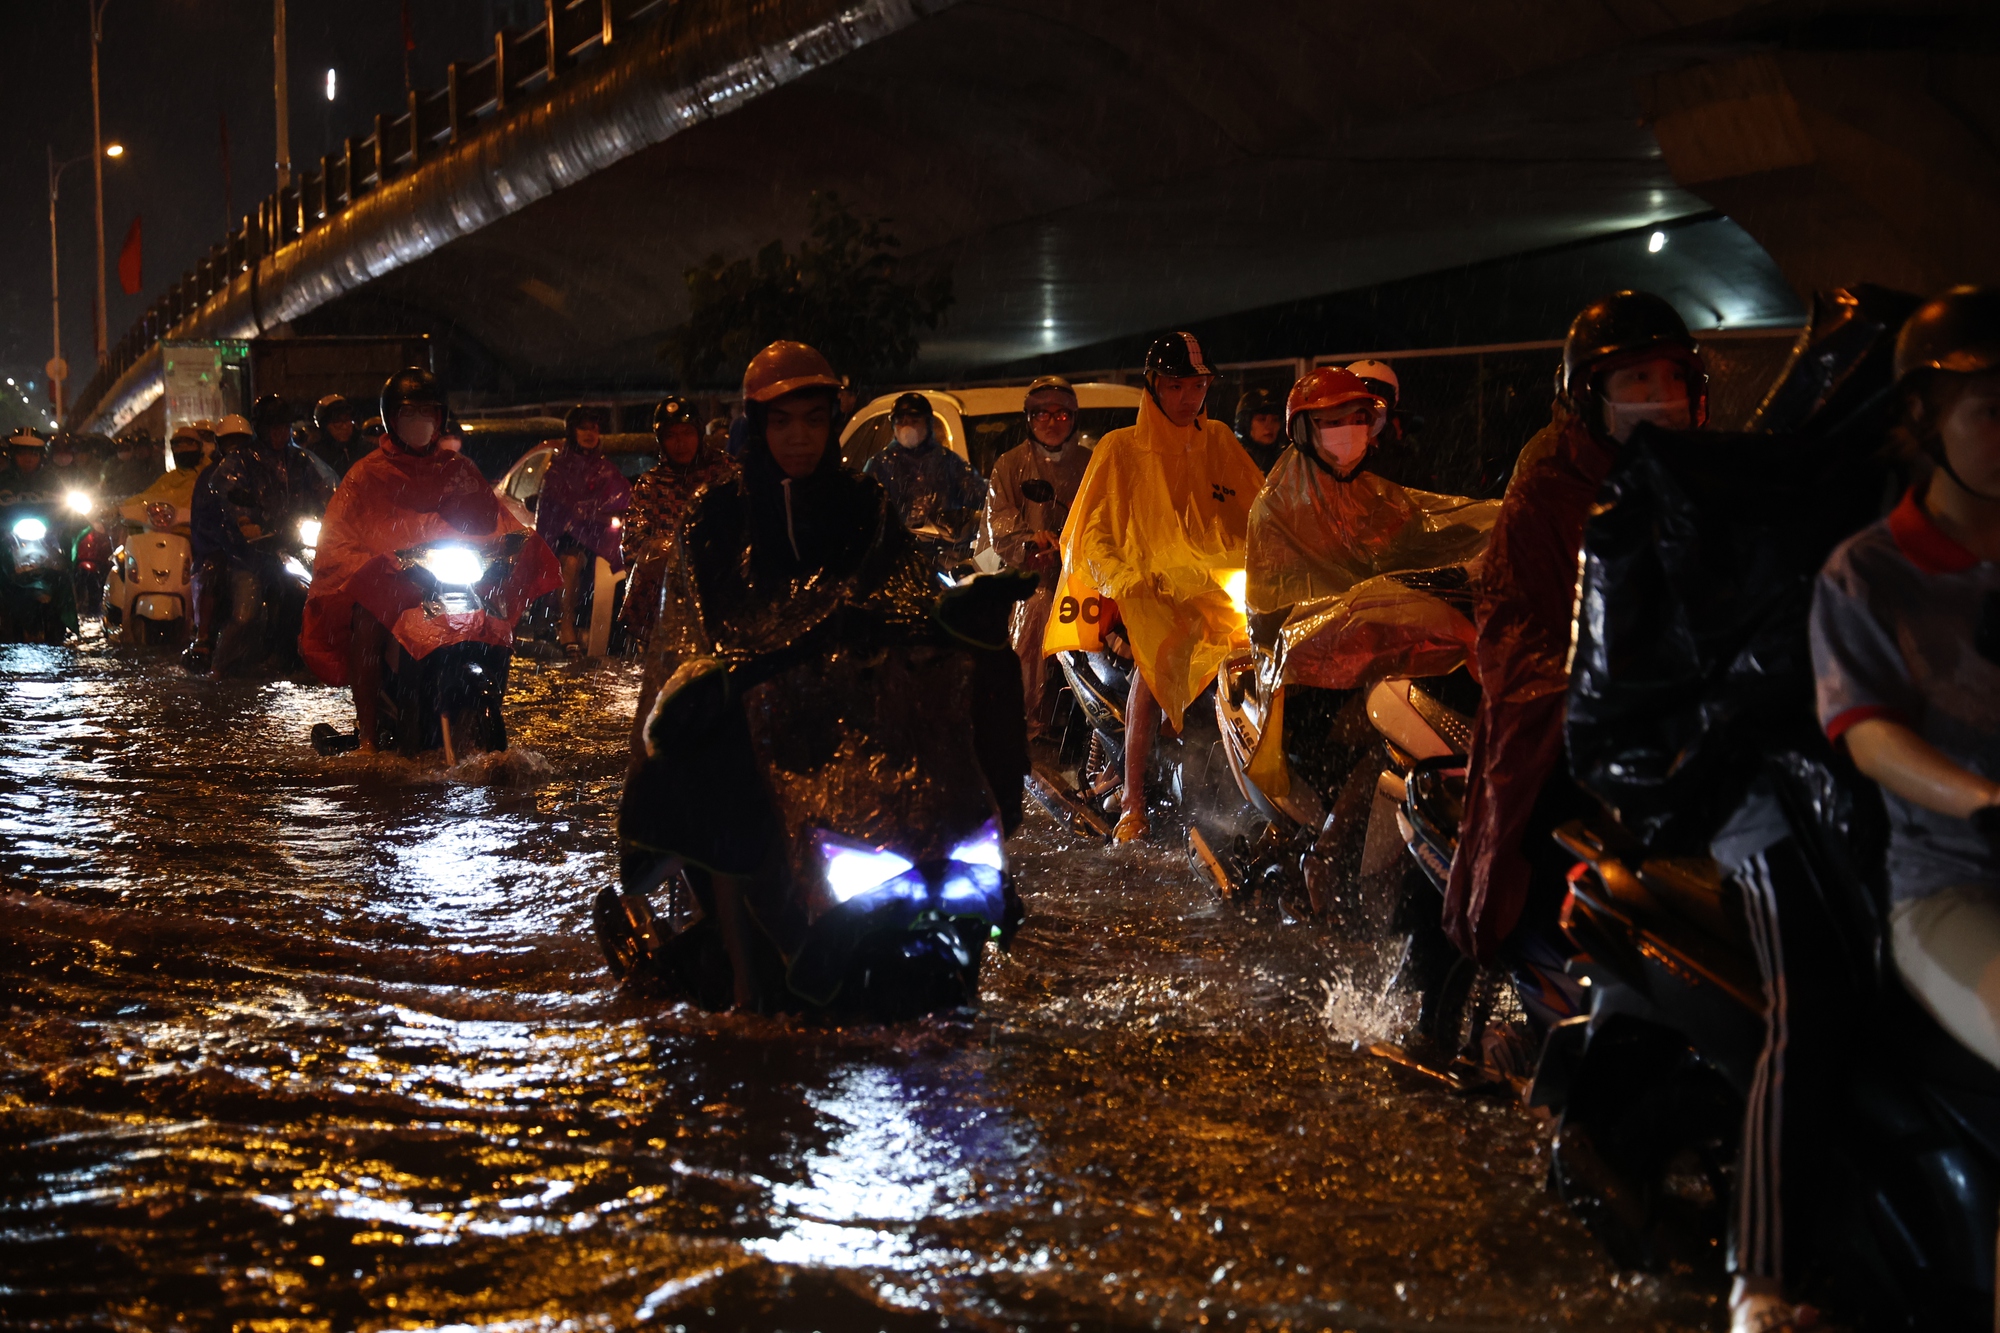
[{"x": 128, "y": 261}]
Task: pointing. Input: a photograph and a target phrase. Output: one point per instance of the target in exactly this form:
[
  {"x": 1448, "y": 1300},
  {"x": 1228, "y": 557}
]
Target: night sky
[{"x": 172, "y": 72}]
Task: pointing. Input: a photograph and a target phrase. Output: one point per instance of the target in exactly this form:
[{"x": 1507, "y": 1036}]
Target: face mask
[
  {"x": 1343, "y": 447},
  {"x": 1621, "y": 419},
  {"x": 417, "y": 430},
  {"x": 910, "y": 436}
]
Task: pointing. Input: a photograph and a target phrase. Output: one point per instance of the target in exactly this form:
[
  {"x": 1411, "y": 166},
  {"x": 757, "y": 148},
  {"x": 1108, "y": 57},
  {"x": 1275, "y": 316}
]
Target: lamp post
[
  {"x": 282, "y": 94},
  {"x": 97, "y": 165},
  {"x": 58, "y": 368}
]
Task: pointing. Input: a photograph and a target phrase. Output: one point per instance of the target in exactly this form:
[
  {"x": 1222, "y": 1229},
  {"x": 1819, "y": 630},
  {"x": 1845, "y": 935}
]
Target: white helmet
[
  {"x": 233, "y": 424},
  {"x": 1381, "y": 377}
]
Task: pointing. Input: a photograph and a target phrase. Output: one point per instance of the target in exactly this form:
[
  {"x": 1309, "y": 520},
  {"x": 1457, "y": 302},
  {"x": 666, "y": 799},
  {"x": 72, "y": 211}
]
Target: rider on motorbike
[
  {"x": 22, "y": 474},
  {"x": 935, "y": 493},
  {"x": 660, "y": 500},
  {"x": 1027, "y": 502},
  {"x": 798, "y": 554},
  {"x": 174, "y": 487},
  {"x": 1327, "y": 541},
  {"x": 341, "y": 443},
  {"x": 583, "y": 501},
  {"x": 407, "y": 493},
  {"x": 1161, "y": 519},
  {"x": 245, "y": 497},
  {"x": 1260, "y": 427},
  {"x": 1628, "y": 359}
]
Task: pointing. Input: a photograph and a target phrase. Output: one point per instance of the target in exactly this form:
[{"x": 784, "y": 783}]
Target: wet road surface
[{"x": 298, "y": 1044}]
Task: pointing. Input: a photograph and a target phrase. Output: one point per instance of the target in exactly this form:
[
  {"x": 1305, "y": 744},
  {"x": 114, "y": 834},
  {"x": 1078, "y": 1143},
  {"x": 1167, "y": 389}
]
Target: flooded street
[{"x": 294, "y": 1043}]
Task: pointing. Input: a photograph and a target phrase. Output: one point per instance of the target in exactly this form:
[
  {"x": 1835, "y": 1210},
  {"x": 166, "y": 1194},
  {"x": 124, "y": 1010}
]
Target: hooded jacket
[
  {"x": 582, "y": 492},
  {"x": 1161, "y": 519},
  {"x": 662, "y": 497}
]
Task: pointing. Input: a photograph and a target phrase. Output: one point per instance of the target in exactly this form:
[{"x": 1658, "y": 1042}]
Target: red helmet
[
  {"x": 1327, "y": 387},
  {"x": 786, "y": 367}
]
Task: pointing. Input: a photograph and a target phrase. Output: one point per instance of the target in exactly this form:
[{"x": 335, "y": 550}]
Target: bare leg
[
  {"x": 575, "y": 564},
  {"x": 735, "y": 928},
  {"x": 1142, "y": 724},
  {"x": 246, "y": 601},
  {"x": 366, "y": 644}
]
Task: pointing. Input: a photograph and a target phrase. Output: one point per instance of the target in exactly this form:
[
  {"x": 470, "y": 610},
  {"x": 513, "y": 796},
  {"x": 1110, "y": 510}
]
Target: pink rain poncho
[
  {"x": 583, "y": 496},
  {"x": 391, "y": 501}
]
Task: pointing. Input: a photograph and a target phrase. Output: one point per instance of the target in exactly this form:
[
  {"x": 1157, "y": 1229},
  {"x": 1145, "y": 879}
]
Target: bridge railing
[{"x": 521, "y": 64}]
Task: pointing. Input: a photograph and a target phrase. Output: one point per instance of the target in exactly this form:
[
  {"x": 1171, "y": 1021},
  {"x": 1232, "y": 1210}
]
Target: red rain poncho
[
  {"x": 582, "y": 492},
  {"x": 1157, "y": 527},
  {"x": 1526, "y": 604},
  {"x": 389, "y": 502}
]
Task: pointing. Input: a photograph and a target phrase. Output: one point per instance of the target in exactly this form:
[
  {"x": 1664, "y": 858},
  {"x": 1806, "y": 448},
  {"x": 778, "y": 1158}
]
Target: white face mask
[
  {"x": 910, "y": 436},
  {"x": 1343, "y": 447},
  {"x": 1621, "y": 419}
]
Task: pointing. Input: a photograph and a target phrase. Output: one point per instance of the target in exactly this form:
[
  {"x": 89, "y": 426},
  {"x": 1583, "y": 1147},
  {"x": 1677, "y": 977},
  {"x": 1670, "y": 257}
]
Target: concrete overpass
[{"x": 1092, "y": 170}]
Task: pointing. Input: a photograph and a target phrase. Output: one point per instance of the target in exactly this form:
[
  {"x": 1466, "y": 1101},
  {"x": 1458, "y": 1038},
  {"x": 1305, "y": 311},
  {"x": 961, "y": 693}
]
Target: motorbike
[
  {"x": 148, "y": 594},
  {"x": 450, "y": 698},
  {"x": 37, "y": 593},
  {"x": 90, "y": 553}
]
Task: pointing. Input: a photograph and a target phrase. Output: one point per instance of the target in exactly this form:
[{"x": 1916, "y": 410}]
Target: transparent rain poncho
[{"x": 1156, "y": 533}]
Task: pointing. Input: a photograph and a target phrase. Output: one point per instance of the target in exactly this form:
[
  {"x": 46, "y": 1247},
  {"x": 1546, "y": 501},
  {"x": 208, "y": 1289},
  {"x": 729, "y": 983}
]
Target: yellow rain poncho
[
  {"x": 1364, "y": 571},
  {"x": 1158, "y": 527}
]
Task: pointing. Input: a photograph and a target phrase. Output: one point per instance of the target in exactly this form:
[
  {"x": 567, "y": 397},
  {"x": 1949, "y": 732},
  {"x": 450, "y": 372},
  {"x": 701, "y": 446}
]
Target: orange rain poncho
[
  {"x": 389, "y": 502},
  {"x": 1328, "y": 551},
  {"x": 1157, "y": 526}
]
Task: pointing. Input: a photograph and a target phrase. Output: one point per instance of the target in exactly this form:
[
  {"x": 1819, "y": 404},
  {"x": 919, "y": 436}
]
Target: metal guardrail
[{"x": 571, "y": 32}]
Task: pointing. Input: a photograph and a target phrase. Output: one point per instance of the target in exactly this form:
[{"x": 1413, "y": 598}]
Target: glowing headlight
[
  {"x": 77, "y": 502},
  {"x": 31, "y": 529},
  {"x": 460, "y": 566},
  {"x": 1235, "y": 582},
  {"x": 297, "y": 570},
  {"x": 309, "y": 531},
  {"x": 982, "y": 849},
  {"x": 851, "y": 870}
]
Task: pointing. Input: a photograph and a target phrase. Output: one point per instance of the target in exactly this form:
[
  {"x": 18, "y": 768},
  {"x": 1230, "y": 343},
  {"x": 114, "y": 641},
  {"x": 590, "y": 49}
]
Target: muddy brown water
[{"x": 301, "y": 1044}]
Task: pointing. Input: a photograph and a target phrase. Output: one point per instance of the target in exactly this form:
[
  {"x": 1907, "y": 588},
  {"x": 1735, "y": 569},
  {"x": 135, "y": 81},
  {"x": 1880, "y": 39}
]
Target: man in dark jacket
[{"x": 933, "y": 491}]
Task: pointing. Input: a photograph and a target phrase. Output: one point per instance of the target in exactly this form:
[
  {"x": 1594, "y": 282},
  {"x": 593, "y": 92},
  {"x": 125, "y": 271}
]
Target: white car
[{"x": 979, "y": 425}]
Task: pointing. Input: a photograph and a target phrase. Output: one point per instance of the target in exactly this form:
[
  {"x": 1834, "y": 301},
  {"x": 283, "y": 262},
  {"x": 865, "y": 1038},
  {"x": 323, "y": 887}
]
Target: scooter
[
  {"x": 1649, "y": 1086},
  {"x": 148, "y": 584},
  {"x": 892, "y": 879},
  {"x": 451, "y": 698},
  {"x": 37, "y": 594}
]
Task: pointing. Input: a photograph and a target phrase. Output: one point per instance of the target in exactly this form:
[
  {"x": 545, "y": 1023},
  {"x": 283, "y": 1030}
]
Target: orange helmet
[
  {"x": 786, "y": 367},
  {"x": 1327, "y": 387}
]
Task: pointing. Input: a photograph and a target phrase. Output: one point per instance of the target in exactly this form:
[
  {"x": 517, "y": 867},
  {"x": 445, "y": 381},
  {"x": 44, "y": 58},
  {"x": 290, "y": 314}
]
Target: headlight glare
[
  {"x": 852, "y": 870},
  {"x": 31, "y": 529},
  {"x": 78, "y": 502},
  {"x": 309, "y": 531},
  {"x": 459, "y": 566}
]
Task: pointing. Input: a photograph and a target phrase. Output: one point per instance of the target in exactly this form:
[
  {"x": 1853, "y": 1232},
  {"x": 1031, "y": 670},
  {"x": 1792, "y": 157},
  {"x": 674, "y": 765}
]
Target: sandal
[{"x": 1132, "y": 827}]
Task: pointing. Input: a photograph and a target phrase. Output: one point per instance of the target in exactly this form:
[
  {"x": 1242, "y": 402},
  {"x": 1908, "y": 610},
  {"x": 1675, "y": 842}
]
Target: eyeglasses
[{"x": 1051, "y": 414}]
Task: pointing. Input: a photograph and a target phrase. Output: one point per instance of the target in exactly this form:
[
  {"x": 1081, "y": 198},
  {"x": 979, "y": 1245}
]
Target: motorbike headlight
[
  {"x": 309, "y": 532},
  {"x": 459, "y": 566},
  {"x": 297, "y": 570},
  {"x": 31, "y": 530},
  {"x": 1235, "y": 582},
  {"x": 852, "y": 870},
  {"x": 982, "y": 848},
  {"x": 78, "y": 502}
]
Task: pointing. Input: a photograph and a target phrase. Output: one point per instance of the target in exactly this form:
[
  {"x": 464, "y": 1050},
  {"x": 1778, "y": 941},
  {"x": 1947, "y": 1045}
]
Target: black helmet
[
  {"x": 412, "y": 387},
  {"x": 269, "y": 410},
  {"x": 1257, "y": 403},
  {"x": 1177, "y": 355},
  {"x": 1958, "y": 333},
  {"x": 330, "y": 409},
  {"x": 1618, "y": 325},
  {"x": 673, "y": 411},
  {"x": 911, "y": 405}
]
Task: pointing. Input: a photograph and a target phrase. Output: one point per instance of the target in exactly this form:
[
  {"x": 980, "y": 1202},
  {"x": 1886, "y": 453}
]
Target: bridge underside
[{"x": 1089, "y": 172}]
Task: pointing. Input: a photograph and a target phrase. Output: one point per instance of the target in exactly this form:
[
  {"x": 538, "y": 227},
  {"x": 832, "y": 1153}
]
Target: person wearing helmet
[
  {"x": 22, "y": 477},
  {"x": 1391, "y": 455},
  {"x": 340, "y": 444},
  {"x": 245, "y": 497},
  {"x": 1160, "y": 520},
  {"x": 660, "y": 500},
  {"x": 581, "y": 512},
  {"x": 173, "y": 488},
  {"x": 936, "y": 494},
  {"x": 1628, "y": 360},
  {"x": 1331, "y": 545},
  {"x": 1027, "y": 502},
  {"x": 1260, "y": 427},
  {"x": 133, "y": 465},
  {"x": 406, "y": 493}
]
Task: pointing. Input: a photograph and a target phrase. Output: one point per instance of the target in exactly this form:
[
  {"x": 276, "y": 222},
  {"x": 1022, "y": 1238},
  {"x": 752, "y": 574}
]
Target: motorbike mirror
[{"x": 1037, "y": 491}]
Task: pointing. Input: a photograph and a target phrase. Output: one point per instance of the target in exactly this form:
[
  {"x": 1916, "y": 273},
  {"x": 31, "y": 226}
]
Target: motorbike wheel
[{"x": 928, "y": 969}]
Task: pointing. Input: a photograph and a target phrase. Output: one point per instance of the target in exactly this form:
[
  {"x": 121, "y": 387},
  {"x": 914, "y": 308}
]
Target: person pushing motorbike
[
  {"x": 405, "y": 494},
  {"x": 660, "y": 500},
  {"x": 1162, "y": 515},
  {"x": 1027, "y": 502},
  {"x": 1628, "y": 359},
  {"x": 583, "y": 502}
]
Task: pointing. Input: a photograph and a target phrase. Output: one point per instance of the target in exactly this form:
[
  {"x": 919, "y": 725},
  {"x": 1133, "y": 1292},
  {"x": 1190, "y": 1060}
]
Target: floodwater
[{"x": 301, "y": 1044}]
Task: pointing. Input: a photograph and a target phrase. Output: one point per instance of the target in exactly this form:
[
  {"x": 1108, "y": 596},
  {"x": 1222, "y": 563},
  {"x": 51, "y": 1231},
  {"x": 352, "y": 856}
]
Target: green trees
[{"x": 839, "y": 292}]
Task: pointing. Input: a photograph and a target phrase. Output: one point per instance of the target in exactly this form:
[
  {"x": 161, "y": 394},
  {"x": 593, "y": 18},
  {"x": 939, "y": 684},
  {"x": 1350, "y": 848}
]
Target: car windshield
[{"x": 988, "y": 437}]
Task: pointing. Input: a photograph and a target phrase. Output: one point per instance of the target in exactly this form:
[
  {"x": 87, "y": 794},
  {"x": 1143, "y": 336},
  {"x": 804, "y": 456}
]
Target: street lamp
[
  {"x": 97, "y": 164},
  {"x": 58, "y": 368}
]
